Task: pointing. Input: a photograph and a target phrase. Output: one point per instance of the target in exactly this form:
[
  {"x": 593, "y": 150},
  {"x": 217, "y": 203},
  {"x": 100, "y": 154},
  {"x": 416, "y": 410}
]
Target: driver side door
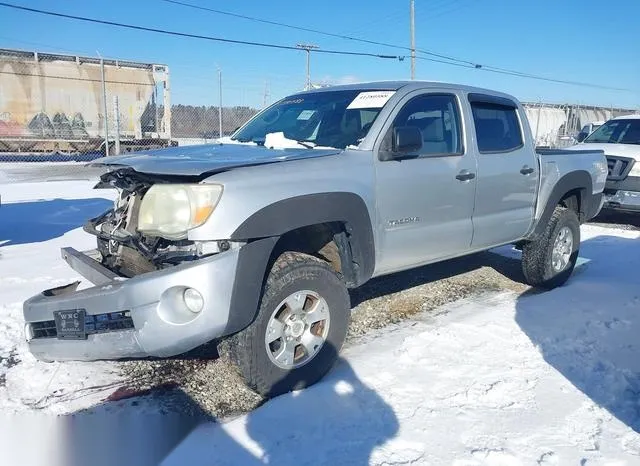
[{"x": 425, "y": 199}]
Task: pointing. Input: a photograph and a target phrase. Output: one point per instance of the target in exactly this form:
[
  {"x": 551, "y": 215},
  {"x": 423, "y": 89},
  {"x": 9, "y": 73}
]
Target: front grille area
[
  {"x": 98, "y": 323},
  {"x": 46, "y": 329},
  {"x": 101, "y": 323},
  {"x": 618, "y": 167}
]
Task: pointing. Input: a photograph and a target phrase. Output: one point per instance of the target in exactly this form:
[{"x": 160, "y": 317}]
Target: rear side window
[{"x": 497, "y": 127}]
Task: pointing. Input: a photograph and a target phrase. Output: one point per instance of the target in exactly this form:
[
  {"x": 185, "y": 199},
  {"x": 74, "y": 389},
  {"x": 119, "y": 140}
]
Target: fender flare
[
  {"x": 578, "y": 180},
  {"x": 264, "y": 228},
  {"x": 311, "y": 209}
]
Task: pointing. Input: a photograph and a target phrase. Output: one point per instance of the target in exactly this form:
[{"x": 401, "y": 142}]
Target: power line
[
  {"x": 443, "y": 58},
  {"x": 439, "y": 58},
  {"x": 193, "y": 36},
  {"x": 524, "y": 75},
  {"x": 315, "y": 31}
]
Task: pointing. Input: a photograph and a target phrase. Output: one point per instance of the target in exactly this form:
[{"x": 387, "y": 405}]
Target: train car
[{"x": 70, "y": 104}]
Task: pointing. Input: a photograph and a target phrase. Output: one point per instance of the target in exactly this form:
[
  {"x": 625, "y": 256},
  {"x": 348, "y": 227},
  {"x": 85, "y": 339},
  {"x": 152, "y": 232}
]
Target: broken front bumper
[{"x": 130, "y": 317}]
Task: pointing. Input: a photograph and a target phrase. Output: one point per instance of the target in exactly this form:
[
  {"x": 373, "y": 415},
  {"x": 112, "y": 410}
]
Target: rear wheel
[
  {"x": 549, "y": 261},
  {"x": 299, "y": 330}
]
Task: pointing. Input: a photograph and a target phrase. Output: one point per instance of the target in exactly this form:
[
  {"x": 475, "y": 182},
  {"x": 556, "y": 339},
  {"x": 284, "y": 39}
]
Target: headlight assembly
[{"x": 171, "y": 210}]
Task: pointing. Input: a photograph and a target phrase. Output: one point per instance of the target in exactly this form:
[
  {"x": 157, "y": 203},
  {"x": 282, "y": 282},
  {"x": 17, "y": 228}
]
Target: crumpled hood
[
  {"x": 206, "y": 158},
  {"x": 620, "y": 150}
]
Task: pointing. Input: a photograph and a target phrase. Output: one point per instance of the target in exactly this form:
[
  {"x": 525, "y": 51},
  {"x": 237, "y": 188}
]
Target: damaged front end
[
  {"x": 155, "y": 293},
  {"x": 126, "y": 251}
]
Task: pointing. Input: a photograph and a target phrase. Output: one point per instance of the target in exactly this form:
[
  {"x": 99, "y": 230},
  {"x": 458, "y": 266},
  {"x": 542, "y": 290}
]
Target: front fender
[{"x": 311, "y": 209}]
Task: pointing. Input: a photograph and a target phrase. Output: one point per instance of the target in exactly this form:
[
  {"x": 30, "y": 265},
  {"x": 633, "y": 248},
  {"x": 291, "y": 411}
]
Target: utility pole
[
  {"x": 413, "y": 38},
  {"x": 308, "y": 48},
  {"x": 104, "y": 107},
  {"x": 538, "y": 121},
  {"x": 220, "y": 103},
  {"x": 265, "y": 99}
]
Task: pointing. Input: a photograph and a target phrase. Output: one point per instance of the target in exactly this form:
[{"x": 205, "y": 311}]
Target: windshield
[
  {"x": 626, "y": 131},
  {"x": 329, "y": 119}
]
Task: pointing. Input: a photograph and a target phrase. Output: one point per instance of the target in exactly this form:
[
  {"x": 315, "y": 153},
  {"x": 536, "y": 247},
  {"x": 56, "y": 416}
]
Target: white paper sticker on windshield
[
  {"x": 371, "y": 99},
  {"x": 306, "y": 114}
]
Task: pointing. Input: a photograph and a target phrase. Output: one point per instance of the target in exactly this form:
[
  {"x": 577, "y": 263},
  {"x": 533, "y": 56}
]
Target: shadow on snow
[
  {"x": 589, "y": 329},
  {"x": 339, "y": 420},
  {"x": 35, "y": 221}
]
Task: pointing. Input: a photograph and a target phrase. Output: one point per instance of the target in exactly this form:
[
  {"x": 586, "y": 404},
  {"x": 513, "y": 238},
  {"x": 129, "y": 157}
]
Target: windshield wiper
[{"x": 307, "y": 144}]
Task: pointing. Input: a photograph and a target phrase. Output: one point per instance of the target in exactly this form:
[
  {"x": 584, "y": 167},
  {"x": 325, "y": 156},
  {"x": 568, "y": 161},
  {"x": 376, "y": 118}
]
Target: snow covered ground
[
  {"x": 500, "y": 379},
  {"x": 36, "y": 220}
]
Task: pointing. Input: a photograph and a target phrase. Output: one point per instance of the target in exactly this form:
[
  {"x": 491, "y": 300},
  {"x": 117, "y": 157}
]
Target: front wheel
[
  {"x": 549, "y": 261},
  {"x": 299, "y": 330}
]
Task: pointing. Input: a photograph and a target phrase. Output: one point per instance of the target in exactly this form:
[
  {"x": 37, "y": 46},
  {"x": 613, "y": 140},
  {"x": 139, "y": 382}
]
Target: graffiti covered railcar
[{"x": 56, "y": 103}]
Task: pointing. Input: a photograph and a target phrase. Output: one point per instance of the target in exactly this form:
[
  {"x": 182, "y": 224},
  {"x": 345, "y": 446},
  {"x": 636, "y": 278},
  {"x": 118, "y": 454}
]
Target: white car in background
[{"x": 619, "y": 138}]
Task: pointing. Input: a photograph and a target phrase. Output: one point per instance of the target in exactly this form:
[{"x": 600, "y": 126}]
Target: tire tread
[
  {"x": 535, "y": 253},
  {"x": 241, "y": 348}
]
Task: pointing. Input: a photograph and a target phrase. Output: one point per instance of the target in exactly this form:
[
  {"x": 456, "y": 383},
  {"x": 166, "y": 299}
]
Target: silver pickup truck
[{"x": 253, "y": 242}]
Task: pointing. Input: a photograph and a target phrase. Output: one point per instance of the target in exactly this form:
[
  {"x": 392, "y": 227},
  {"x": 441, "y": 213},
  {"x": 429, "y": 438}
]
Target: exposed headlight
[
  {"x": 635, "y": 170},
  {"x": 171, "y": 210}
]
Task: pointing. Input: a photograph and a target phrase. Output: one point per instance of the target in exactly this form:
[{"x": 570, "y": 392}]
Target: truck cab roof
[{"x": 407, "y": 85}]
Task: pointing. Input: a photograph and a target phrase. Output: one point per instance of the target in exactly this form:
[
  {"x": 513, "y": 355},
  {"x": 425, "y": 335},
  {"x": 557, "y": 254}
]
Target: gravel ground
[{"x": 214, "y": 389}]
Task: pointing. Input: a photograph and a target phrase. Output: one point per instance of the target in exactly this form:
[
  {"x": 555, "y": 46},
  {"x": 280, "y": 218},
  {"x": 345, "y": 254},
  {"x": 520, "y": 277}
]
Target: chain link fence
[{"x": 58, "y": 112}]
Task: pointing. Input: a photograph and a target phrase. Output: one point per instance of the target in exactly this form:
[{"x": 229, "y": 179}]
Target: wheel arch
[
  {"x": 306, "y": 211},
  {"x": 340, "y": 218},
  {"x": 574, "y": 191}
]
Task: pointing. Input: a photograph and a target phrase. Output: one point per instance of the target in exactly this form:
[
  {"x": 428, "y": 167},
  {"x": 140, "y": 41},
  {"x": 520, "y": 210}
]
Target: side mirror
[
  {"x": 406, "y": 139},
  {"x": 581, "y": 136}
]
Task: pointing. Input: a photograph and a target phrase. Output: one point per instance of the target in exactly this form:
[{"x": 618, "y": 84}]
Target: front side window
[
  {"x": 497, "y": 127},
  {"x": 625, "y": 131},
  {"x": 437, "y": 118},
  {"x": 329, "y": 118}
]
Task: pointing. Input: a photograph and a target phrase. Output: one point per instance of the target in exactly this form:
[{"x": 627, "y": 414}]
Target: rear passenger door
[{"x": 507, "y": 171}]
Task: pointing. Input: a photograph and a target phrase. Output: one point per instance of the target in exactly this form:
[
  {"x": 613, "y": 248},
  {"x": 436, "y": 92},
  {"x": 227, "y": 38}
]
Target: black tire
[
  {"x": 246, "y": 349},
  {"x": 537, "y": 255}
]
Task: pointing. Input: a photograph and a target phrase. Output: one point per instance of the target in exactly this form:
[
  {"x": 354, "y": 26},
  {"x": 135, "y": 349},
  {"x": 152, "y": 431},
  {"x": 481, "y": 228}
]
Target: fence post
[
  {"x": 220, "y": 103},
  {"x": 116, "y": 112},
  {"x": 104, "y": 108},
  {"x": 538, "y": 123}
]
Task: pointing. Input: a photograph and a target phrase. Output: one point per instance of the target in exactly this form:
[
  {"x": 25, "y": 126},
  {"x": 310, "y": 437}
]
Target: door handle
[
  {"x": 465, "y": 175},
  {"x": 526, "y": 170}
]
